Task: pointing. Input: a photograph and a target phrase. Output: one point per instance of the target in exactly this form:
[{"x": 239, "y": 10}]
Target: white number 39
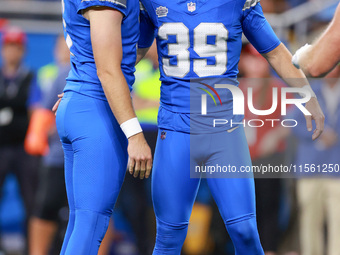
[{"x": 180, "y": 49}]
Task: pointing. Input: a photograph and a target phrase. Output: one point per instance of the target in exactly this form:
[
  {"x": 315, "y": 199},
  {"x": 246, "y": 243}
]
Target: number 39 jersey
[
  {"x": 200, "y": 39},
  {"x": 83, "y": 75}
]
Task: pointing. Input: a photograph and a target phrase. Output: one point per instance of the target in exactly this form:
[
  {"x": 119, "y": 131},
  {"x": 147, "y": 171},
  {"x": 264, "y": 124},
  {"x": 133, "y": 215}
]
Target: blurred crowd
[
  {"x": 268, "y": 5},
  {"x": 297, "y": 215}
]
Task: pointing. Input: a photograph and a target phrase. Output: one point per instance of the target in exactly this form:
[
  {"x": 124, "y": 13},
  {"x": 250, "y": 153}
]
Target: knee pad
[
  {"x": 244, "y": 234},
  {"x": 170, "y": 237}
]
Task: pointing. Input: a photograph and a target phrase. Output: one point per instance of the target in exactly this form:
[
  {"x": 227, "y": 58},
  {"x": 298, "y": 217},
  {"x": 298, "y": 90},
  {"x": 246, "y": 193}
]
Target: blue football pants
[
  {"x": 174, "y": 192},
  {"x": 96, "y": 157}
]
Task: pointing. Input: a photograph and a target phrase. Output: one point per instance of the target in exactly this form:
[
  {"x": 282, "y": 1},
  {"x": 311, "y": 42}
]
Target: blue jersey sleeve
[
  {"x": 119, "y": 5},
  {"x": 258, "y": 31},
  {"x": 147, "y": 30}
]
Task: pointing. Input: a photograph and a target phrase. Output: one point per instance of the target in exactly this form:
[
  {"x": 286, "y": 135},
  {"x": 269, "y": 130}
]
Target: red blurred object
[
  {"x": 3, "y": 23},
  {"x": 36, "y": 141},
  {"x": 13, "y": 35},
  {"x": 251, "y": 50}
]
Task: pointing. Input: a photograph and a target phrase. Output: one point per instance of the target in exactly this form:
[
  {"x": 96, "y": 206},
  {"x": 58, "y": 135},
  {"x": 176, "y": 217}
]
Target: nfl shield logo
[
  {"x": 163, "y": 135},
  {"x": 191, "y": 7}
]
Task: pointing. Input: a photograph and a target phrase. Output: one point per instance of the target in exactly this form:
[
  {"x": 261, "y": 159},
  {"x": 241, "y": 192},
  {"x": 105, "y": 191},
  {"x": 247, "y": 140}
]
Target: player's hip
[
  {"x": 222, "y": 147},
  {"x": 80, "y": 116},
  {"x": 195, "y": 123},
  {"x": 218, "y": 155}
]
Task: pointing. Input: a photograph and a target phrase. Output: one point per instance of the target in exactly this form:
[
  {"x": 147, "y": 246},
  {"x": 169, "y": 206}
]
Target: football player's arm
[
  {"x": 105, "y": 26},
  {"x": 320, "y": 58},
  {"x": 260, "y": 34},
  {"x": 280, "y": 60}
]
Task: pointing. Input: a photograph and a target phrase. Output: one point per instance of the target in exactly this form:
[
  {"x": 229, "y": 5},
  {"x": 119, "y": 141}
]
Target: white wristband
[
  {"x": 297, "y": 55},
  {"x": 131, "y": 127},
  {"x": 308, "y": 88}
]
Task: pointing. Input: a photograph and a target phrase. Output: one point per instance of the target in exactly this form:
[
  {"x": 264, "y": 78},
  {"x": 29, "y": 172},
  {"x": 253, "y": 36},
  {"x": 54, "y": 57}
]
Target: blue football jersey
[
  {"x": 200, "y": 39},
  {"x": 83, "y": 75}
]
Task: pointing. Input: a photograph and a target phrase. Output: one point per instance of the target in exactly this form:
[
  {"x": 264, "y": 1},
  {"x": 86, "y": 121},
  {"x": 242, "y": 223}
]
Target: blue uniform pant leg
[
  {"x": 173, "y": 191},
  {"x": 235, "y": 197},
  {"x": 95, "y": 164}
]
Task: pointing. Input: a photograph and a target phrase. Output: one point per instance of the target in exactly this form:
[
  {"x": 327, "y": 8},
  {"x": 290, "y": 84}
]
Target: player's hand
[
  {"x": 56, "y": 105},
  {"x": 140, "y": 156},
  {"x": 317, "y": 115}
]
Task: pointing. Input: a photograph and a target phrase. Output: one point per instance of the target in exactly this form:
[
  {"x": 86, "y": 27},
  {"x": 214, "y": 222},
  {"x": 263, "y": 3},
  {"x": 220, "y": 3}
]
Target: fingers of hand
[
  {"x": 131, "y": 166},
  {"x": 319, "y": 122},
  {"x": 309, "y": 123},
  {"x": 316, "y": 134},
  {"x": 55, "y": 106},
  {"x": 148, "y": 168},
  {"x": 137, "y": 168},
  {"x": 142, "y": 169}
]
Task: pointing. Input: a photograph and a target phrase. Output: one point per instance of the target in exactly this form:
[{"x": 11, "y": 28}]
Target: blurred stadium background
[{"x": 296, "y": 22}]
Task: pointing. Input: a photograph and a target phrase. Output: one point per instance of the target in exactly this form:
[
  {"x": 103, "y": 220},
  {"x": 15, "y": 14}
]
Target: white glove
[{"x": 298, "y": 53}]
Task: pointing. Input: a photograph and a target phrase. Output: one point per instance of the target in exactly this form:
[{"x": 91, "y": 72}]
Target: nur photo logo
[{"x": 286, "y": 97}]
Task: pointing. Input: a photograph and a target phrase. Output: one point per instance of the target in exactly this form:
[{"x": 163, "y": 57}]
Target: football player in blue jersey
[
  {"x": 202, "y": 39},
  {"x": 95, "y": 119}
]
